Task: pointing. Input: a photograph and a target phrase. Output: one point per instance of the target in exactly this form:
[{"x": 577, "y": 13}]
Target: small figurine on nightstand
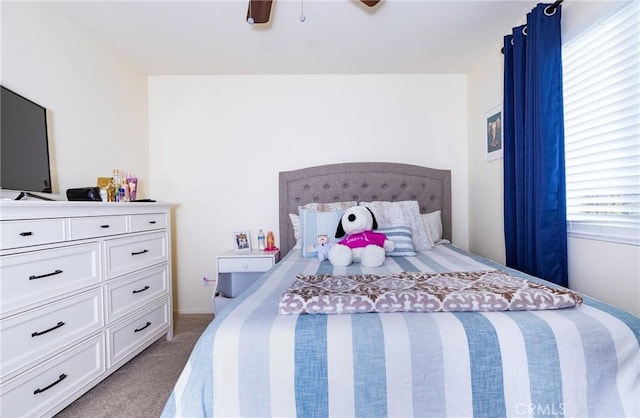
[
  {"x": 322, "y": 248},
  {"x": 271, "y": 242}
]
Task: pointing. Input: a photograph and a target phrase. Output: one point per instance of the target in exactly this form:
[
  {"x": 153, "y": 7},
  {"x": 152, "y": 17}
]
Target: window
[{"x": 602, "y": 129}]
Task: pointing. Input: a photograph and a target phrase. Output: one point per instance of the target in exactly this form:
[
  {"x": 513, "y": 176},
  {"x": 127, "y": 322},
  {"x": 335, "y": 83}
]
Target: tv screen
[{"x": 24, "y": 145}]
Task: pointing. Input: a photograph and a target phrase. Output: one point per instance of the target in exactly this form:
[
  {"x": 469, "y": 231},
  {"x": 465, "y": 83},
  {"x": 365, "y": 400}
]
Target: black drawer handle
[
  {"x": 141, "y": 290},
  {"x": 139, "y": 252},
  {"x": 45, "y": 275},
  {"x": 104, "y": 226},
  {"x": 58, "y": 325},
  {"x": 140, "y": 329},
  {"x": 152, "y": 222},
  {"x": 60, "y": 379},
  {"x": 26, "y": 234}
]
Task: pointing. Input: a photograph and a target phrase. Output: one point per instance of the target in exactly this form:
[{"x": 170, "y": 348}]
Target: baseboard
[{"x": 190, "y": 312}]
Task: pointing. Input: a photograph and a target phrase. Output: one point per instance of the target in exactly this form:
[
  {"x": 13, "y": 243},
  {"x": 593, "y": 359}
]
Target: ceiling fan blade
[
  {"x": 259, "y": 10},
  {"x": 370, "y": 3}
]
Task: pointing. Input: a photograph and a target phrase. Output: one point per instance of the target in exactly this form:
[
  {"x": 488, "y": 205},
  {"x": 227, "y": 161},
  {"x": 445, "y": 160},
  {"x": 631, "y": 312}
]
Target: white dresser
[{"x": 84, "y": 288}]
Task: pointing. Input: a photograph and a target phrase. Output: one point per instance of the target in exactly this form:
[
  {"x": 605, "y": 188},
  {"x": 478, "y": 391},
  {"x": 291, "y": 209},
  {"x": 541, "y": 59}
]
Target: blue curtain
[{"x": 534, "y": 173}]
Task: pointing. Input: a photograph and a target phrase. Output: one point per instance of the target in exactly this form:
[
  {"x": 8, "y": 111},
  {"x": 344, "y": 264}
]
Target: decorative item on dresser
[{"x": 85, "y": 287}]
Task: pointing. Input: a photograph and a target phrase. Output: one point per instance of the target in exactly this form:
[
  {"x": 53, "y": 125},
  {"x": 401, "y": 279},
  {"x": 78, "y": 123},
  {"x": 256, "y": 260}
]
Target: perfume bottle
[
  {"x": 271, "y": 241},
  {"x": 124, "y": 189}
]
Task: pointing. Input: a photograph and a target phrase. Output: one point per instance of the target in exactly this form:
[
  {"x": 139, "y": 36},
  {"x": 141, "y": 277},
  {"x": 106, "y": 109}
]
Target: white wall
[
  {"x": 607, "y": 271},
  {"x": 217, "y": 144},
  {"x": 96, "y": 102},
  {"x": 486, "y": 228}
]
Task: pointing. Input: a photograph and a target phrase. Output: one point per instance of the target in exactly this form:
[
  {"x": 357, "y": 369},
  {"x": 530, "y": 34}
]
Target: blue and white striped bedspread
[{"x": 253, "y": 362}]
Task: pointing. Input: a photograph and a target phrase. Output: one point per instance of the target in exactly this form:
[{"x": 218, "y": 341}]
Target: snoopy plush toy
[{"x": 361, "y": 244}]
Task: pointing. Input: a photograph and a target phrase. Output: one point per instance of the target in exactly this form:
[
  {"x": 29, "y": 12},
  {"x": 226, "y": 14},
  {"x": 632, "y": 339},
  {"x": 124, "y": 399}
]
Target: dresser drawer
[
  {"x": 28, "y": 279},
  {"x": 124, "y": 296},
  {"x": 44, "y": 388},
  {"x": 97, "y": 226},
  {"x": 16, "y": 234},
  {"x": 148, "y": 222},
  {"x": 129, "y": 336},
  {"x": 244, "y": 264},
  {"x": 125, "y": 255},
  {"x": 28, "y": 338}
]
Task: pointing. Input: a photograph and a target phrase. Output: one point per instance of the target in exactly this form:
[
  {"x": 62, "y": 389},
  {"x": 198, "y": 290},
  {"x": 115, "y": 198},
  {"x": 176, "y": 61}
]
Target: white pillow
[
  {"x": 433, "y": 225},
  {"x": 313, "y": 223},
  {"x": 295, "y": 224},
  {"x": 320, "y": 207},
  {"x": 401, "y": 236},
  {"x": 406, "y": 212}
]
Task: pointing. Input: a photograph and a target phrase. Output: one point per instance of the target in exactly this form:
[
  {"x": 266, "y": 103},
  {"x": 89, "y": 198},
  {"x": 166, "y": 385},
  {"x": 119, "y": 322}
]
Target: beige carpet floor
[{"x": 140, "y": 388}]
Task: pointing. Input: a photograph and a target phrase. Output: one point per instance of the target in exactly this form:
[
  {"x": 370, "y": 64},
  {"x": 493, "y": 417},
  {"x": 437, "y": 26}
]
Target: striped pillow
[
  {"x": 318, "y": 207},
  {"x": 314, "y": 223},
  {"x": 401, "y": 236}
]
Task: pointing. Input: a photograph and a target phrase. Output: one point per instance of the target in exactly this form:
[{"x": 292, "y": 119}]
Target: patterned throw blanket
[{"x": 421, "y": 292}]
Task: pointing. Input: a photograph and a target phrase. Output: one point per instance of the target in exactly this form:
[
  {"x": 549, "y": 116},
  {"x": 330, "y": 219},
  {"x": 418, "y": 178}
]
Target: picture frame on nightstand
[{"x": 242, "y": 241}]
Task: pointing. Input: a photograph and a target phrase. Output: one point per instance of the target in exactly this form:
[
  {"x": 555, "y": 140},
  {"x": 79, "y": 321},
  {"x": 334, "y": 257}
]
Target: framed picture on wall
[
  {"x": 241, "y": 241},
  {"x": 493, "y": 133}
]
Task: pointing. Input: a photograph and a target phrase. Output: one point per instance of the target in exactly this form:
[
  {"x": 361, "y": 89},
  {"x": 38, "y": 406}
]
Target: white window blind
[{"x": 601, "y": 77}]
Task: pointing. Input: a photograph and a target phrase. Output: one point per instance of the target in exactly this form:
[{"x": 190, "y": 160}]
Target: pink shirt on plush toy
[{"x": 362, "y": 239}]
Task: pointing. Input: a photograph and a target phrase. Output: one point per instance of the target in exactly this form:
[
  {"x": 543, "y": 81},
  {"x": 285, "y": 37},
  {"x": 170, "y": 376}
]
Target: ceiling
[{"x": 336, "y": 37}]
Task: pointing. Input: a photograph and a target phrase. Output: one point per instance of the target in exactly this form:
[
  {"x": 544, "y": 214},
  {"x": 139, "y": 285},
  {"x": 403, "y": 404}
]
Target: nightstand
[{"x": 237, "y": 270}]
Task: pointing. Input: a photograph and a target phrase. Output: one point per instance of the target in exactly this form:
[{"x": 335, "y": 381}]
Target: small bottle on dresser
[
  {"x": 116, "y": 183},
  {"x": 124, "y": 190},
  {"x": 261, "y": 240}
]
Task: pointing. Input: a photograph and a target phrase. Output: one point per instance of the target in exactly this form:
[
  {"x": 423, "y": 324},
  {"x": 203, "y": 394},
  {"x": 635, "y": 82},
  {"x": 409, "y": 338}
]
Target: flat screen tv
[{"x": 24, "y": 146}]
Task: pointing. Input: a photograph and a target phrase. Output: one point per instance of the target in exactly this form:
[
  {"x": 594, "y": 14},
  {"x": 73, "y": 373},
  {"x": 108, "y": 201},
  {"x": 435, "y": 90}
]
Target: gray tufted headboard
[{"x": 363, "y": 182}]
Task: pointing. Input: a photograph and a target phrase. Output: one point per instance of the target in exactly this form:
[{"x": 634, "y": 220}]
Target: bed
[{"x": 256, "y": 360}]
